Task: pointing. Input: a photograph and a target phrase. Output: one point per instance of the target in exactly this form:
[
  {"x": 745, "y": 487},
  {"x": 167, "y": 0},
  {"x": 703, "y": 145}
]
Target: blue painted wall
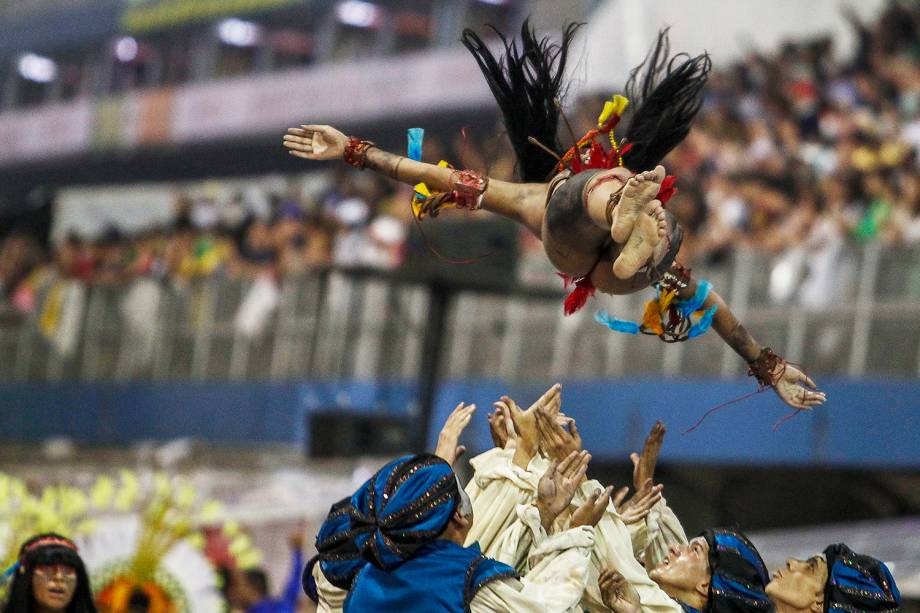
[{"x": 873, "y": 423}]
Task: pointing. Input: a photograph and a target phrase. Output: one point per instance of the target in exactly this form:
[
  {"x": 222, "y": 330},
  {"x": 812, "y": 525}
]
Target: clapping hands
[
  {"x": 525, "y": 422},
  {"x": 558, "y": 485}
]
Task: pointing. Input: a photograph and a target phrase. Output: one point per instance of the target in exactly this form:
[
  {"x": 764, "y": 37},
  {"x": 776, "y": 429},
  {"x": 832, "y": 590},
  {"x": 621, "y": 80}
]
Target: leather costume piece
[{"x": 567, "y": 217}]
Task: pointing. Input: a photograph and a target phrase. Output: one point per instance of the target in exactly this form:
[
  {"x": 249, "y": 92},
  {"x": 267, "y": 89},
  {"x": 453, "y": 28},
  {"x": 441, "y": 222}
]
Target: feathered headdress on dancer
[{"x": 528, "y": 81}]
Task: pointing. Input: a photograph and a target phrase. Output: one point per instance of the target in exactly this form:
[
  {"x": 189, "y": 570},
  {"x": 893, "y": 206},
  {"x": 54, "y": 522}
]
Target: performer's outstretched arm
[
  {"x": 521, "y": 202},
  {"x": 792, "y": 385}
]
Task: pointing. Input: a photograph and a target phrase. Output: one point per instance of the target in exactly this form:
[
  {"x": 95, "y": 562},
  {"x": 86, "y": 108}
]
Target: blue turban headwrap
[
  {"x": 338, "y": 557},
  {"x": 405, "y": 505},
  {"x": 858, "y": 582},
  {"x": 739, "y": 575}
]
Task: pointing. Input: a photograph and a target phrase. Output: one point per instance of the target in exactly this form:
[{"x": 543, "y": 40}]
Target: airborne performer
[{"x": 599, "y": 211}]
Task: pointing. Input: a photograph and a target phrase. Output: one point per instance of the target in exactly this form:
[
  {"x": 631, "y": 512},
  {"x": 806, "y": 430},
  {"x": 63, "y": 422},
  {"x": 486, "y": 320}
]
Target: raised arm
[
  {"x": 792, "y": 385},
  {"x": 320, "y": 142}
]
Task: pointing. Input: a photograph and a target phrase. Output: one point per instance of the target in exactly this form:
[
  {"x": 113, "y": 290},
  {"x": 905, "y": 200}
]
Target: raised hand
[
  {"x": 617, "y": 593},
  {"x": 644, "y": 465},
  {"x": 498, "y": 428},
  {"x": 447, "y": 448},
  {"x": 796, "y": 389},
  {"x": 525, "y": 422},
  {"x": 554, "y": 440},
  {"x": 637, "y": 508},
  {"x": 315, "y": 142},
  {"x": 592, "y": 509},
  {"x": 558, "y": 484}
]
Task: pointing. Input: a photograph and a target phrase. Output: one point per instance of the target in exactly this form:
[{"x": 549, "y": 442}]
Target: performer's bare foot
[
  {"x": 639, "y": 190},
  {"x": 650, "y": 227}
]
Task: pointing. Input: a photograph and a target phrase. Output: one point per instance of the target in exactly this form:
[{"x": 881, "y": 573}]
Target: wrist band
[
  {"x": 763, "y": 366},
  {"x": 356, "y": 152},
  {"x": 468, "y": 188}
]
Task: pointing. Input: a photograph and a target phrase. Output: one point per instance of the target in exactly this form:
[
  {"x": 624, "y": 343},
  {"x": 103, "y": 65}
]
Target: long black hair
[
  {"x": 528, "y": 81},
  {"x": 666, "y": 94},
  {"x": 58, "y": 551}
]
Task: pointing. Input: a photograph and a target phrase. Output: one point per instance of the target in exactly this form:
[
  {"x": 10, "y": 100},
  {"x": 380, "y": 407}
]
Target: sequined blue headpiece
[
  {"x": 739, "y": 575},
  {"x": 338, "y": 557},
  {"x": 406, "y": 505},
  {"x": 858, "y": 583}
]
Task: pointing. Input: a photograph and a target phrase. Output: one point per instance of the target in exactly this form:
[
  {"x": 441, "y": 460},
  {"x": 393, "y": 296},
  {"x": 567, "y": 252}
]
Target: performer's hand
[
  {"x": 558, "y": 484},
  {"x": 554, "y": 440},
  {"x": 796, "y": 389},
  {"x": 618, "y": 594},
  {"x": 637, "y": 508},
  {"x": 644, "y": 465},
  {"x": 312, "y": 142},
  {"x": 498, "y": 428},
  {"x": 450, "y": 434},
  {"x": 592, "y": 509},
  {"x": 525, "y": 422}
]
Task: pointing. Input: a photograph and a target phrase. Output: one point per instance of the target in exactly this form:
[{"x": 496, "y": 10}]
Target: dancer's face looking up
[
  {"x": 684, "y": 574},
  {"x": 53, "y": 586},
  {"x": 800, "y": 585}
]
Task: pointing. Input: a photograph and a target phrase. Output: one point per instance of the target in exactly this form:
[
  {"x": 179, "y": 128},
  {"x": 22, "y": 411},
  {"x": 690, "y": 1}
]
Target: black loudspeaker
[
  {"x": 337, "y": 433},
  {"x": 489, "y": 240}
]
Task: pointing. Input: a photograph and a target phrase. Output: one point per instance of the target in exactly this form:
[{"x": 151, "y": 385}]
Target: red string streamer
[{"x": 718, "y": 408}]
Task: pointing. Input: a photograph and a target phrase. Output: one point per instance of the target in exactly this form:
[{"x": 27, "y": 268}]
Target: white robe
[
  {"x": 613, "y": 544},
  {"x": 555, "y": 568}
]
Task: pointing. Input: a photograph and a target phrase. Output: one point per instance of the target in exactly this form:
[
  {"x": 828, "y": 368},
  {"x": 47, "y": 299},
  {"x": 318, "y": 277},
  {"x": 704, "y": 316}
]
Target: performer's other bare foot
[
  {"x": 639, "y": 190},
  {"x": 650, "y": 227}
]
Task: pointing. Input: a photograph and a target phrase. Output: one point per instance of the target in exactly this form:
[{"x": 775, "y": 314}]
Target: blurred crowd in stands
[{"x": 794, "y": 153}]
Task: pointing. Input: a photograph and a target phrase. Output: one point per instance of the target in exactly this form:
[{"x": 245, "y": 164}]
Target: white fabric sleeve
[
  {"x": 497, "y": 489},
  {"x": 515, "y": 542},
  {"x": 613, "y": 549},
  {"x": 331, "y": 598},
  {"x": 664, "y": 530},
  {"x": 555, "y": 583},
  {"x": 639, "y": 535}
]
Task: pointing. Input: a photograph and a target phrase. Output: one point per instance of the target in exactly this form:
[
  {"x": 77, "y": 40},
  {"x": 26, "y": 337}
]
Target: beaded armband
[{"x": 356, "y": 152}]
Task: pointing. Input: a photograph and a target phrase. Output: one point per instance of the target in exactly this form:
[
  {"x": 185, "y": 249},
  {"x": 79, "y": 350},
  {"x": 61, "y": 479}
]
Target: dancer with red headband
[
  {"x": 49, "y": 577},
  {"x": 602, "y": 225}
]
